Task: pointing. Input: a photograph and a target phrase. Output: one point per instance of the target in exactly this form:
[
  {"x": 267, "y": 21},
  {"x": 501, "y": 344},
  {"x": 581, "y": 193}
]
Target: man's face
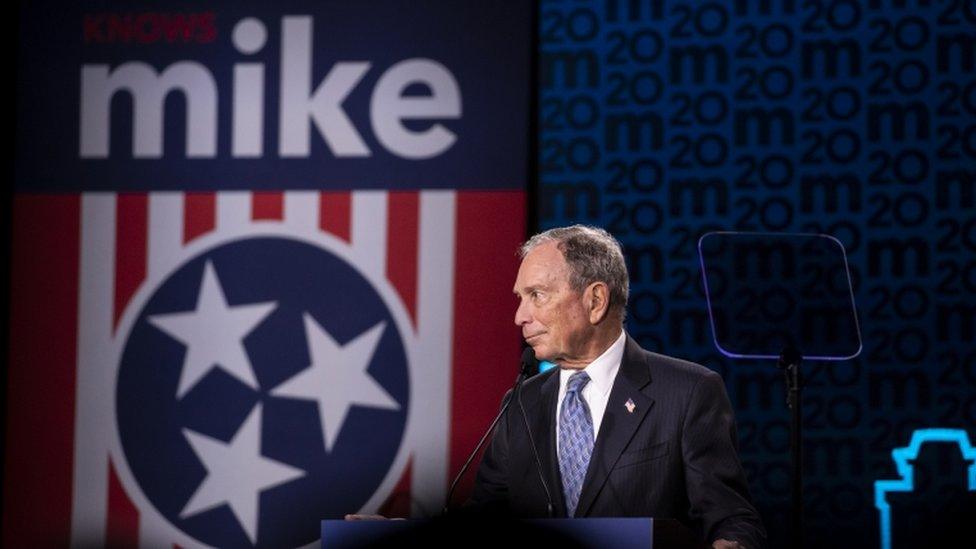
[{"x": 551, "y": 314}]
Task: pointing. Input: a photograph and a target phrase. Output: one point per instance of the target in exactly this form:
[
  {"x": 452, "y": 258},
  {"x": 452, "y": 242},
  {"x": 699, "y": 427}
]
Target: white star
[
  {"x": 337, "y": 378},
  {"x": 236, "y": 473},
  {"x": 213, "y": 333}
]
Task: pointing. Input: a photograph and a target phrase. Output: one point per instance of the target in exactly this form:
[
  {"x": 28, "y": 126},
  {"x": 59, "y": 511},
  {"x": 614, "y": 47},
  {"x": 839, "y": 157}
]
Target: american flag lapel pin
[{"x": 630, "y": 406}]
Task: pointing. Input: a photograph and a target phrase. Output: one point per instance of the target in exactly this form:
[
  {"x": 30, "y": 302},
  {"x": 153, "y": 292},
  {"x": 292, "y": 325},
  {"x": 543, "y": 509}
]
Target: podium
[{"x": 623, "y": 533}]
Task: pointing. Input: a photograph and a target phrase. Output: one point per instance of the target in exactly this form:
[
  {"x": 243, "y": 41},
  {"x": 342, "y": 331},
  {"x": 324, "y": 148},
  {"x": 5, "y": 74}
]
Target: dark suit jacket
[{"x": 674, "y": 456}]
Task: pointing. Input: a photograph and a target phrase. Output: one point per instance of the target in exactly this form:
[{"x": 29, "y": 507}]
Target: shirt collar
[{"x": 603, "y": 369}]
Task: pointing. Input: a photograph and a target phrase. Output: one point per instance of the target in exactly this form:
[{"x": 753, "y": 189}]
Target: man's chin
[{"x": 541, "y": 353}]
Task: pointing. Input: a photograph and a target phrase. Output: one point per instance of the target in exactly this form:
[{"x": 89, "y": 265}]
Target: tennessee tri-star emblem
[
  {"x": 630, "y": 406},
  {"x": 251, "y": 372}
]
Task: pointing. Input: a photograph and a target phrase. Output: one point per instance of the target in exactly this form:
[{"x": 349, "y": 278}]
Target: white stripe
[
  {"x": 368, "y": 231},
  {"x": 302, "y": 210},
  {"x": 233, "y": 210},
  {"x": 435, "y": 321},
  {"x": 154, "y": 531},
  {"x": 165, "y": 231},
  {"x": 93, "y": 411}
]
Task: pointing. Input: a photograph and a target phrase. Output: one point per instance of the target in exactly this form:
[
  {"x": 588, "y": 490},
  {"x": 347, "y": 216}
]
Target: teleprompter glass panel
[{"x": 767, "y": 292}]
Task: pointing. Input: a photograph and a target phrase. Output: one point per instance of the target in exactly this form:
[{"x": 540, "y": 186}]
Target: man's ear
[{"x": 597, "y": 298}]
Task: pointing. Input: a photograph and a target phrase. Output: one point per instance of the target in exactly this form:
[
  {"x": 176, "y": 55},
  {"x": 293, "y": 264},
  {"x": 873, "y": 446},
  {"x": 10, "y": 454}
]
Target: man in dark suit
[{"x": 620, "y": 431}]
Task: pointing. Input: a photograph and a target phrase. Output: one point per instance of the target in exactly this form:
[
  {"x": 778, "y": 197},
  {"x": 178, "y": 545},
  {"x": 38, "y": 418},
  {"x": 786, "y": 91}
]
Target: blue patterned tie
[{"x": 575, "y": 439}]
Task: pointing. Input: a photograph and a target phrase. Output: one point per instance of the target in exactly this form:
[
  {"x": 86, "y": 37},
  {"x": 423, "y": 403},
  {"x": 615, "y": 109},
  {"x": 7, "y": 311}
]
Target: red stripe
[
  {"x": 267, "y": 205},
  {"x": 41, "y": 374},
  {"x": 131, "y": 232},
  {"x": 199, "y": 214},
  {"x": 122, "y": 525},
  {"x": 490, "y": 227},
  {"x": 402, "y": 233},
  {"x": 335, "y": 213},
  {"x": 398, "y": 504}
]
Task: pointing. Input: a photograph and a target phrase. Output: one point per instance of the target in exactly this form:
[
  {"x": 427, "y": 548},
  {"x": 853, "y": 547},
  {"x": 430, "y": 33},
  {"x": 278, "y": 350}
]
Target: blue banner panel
[{"x": 256, "y": 95}]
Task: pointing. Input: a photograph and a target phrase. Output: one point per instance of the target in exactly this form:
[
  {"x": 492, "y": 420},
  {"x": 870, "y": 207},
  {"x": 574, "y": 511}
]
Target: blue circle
[{"x": 301, "y": 279}]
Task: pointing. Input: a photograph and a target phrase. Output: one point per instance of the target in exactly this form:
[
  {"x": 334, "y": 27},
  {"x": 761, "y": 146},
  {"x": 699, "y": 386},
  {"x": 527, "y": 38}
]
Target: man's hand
[{"x": 726, "y": 544}]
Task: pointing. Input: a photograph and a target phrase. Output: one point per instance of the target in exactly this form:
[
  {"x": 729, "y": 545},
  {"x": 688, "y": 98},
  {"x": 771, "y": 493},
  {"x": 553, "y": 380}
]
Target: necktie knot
[{"x": 577, "y": 381}]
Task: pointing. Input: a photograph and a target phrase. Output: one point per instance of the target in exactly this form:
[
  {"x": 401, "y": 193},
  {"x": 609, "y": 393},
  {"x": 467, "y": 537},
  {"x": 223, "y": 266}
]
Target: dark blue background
[{"x": 906, "y": 218}]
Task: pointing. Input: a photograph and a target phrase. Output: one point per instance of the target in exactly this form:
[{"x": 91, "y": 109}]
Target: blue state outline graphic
[{"x": 902, "y": 458}]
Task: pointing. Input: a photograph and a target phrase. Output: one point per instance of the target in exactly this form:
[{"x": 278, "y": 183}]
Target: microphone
[
  {"x": 525, "y": 370},
  {"x": 529, "y": 365},
  {"x": 535, "y": 451}
]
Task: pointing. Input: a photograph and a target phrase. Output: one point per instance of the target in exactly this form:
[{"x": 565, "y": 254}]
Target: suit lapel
[
  {"x": 619, "y": 423},
  {"x": 543, "y": 423}
]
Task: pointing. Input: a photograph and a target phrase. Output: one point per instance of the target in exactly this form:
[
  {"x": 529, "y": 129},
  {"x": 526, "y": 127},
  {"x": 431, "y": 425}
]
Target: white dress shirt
[{"x": 602, "y": 372}]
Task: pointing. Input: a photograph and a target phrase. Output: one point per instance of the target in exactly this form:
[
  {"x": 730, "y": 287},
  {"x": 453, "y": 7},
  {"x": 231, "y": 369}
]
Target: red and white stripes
[{"x": 80, "y": 260}]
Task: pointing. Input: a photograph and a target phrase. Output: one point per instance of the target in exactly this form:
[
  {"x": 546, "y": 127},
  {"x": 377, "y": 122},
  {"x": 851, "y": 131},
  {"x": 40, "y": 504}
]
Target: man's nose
[{"x": 522, "y": 315}]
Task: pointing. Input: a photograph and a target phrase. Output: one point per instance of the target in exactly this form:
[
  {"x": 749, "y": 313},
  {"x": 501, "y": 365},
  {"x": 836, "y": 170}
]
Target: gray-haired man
[{"x": 620, "y": 431}]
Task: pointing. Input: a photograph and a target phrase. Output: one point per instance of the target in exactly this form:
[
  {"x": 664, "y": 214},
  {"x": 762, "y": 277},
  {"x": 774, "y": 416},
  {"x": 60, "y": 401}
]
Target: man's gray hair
[{"x": 593, "y": 255}]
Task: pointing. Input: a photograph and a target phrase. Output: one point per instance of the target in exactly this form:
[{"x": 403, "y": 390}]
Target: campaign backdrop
[
  {"x": 262, "y": 263},
  {"x": 219, "y": 208},
  {"x": 662, "y": 120}
]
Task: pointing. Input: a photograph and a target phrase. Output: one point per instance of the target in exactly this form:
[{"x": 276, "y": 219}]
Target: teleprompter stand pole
[{"x": 789, "y": 362}]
